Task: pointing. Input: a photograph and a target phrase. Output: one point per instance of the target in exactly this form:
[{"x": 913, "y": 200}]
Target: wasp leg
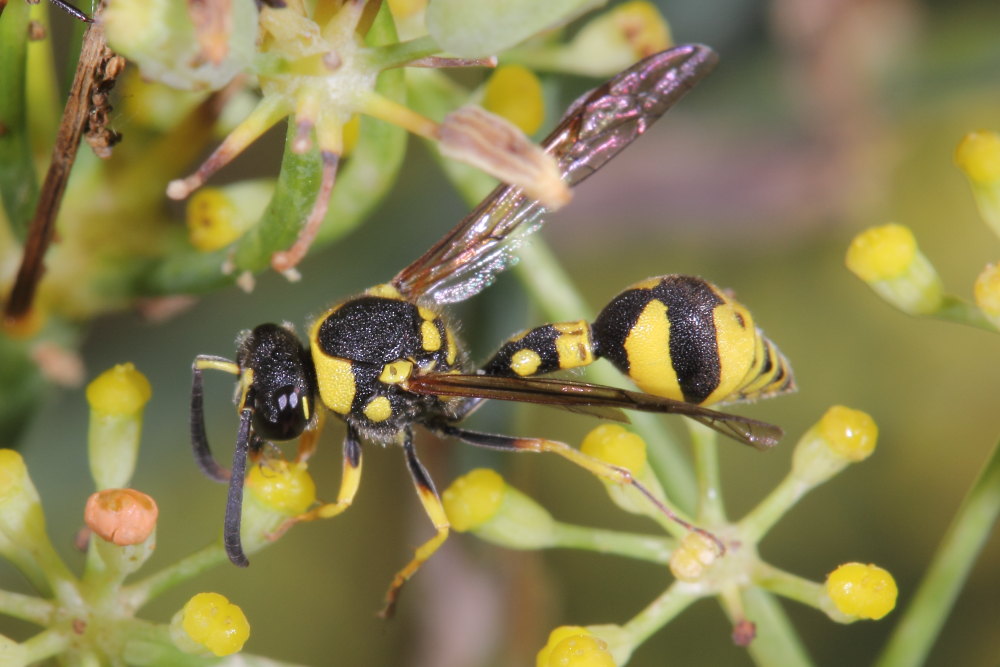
[
  {"x": 435, "y": 511},
  {"x": 310, "y": 437},
  {"x": 199, "y": 438},
  {"x": 606, "y": 471},
  {"x": 350, "y": 480},
  {"x": 245, "y": 442},
  {"x": 78, "y": 14}
]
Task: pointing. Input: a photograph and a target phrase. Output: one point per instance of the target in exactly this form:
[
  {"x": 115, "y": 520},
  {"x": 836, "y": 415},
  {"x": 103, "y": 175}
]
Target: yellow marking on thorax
[
  {"x": 336, "y": 382},
  {"x": 430, "y": 337},
  {"x": 378, "y": 409},
  {"x": 385, "y": 290},
  {"x": 396, "y": 372}
]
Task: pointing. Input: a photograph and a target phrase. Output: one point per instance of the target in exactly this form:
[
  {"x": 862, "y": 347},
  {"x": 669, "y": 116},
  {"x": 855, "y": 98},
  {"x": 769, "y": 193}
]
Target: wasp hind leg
[
  {"x": 435, "y": 511},
  {"x": 601, "y": 469},
  {"x": 350, "y": 480}
]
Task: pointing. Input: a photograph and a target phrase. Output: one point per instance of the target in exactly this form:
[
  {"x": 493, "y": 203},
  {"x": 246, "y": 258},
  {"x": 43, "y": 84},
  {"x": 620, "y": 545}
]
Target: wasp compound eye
[{"x": 280, "y": 414}]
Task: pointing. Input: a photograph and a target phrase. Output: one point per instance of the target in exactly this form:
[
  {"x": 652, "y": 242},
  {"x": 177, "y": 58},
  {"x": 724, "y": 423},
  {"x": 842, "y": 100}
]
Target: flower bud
[
  {"x": 515, "y": 93},
  {"x": 483, "y": 503},
  {"x": 217, "y": 216},
  {"x": 888, "y": 259},
  {"x": 22, "y": 522},
  {"x": 978, "y": 155},
  {"x": 986, "y": 292},
  {"x": 840, "y": 437},
  {"x": 116, "y": 397},
  {"x": 694, "y": 554},
  {"x": 276, "y": 491},
  {"x": 574, "y": 646},
  {"x": 121, "y": 516},
  {"x": 209, "y": 623},
  {"x": 614, "y": 444},
  {"x": 616, "y": 39},
  {"x": 862, "y": 591}
]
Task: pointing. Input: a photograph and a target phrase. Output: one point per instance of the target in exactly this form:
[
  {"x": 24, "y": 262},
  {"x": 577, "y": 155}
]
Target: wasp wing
[
  {"x": 596, "y": 127},
  {"x": 585, "y": 397}
]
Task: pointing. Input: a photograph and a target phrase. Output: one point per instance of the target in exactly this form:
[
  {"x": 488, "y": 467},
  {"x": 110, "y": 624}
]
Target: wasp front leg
[{"x": 544, "y": 349}]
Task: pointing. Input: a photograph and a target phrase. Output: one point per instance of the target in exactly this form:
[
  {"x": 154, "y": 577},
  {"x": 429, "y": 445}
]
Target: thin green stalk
[
  {"x": 769, "y": 511},
  {"x": 143, "y": 591},
  {"x": 777, "y": 642},
  {"x": 401, "y": 53},
  {"x": 26, "y": 607},
  {"x": 631, "y": 545},
  {"x": 960, "y": 311},
  {"x": 46, "y": 644},
  {"x": 658, "y": 613},
  {"x": 916, "y": 632},
  {"x": 711, "y": 510},
  {"x": 18, "y": 181},
  {"x": 789, "y": 585}
]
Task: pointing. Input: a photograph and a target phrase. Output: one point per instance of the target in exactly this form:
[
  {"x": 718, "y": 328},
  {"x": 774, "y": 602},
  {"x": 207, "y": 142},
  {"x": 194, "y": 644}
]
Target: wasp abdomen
[{"x": 683, "y": 338}]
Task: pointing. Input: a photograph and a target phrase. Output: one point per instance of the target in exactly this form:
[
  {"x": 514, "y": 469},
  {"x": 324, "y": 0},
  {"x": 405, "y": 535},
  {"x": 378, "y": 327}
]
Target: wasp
[{"x": 387, "y": 360}]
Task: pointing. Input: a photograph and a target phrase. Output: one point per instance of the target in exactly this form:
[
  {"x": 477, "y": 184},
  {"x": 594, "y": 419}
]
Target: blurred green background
[{"x": 824, "y": 117}]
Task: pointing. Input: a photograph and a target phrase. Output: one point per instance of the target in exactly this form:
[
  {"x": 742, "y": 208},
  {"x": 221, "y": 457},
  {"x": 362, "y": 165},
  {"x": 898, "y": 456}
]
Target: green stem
[
  {"x": 769, "y": 511},
  {"x": 141, "y": 592},
  {"x": 790, "y": 586},
  {"x": 921, "y": 623},
  {"x": 658, "y": 613},
  {"x": 960, "y": 311},
  {"x": 46, "y": 644},
  {"x": 18, "y": 181},
  {"x": 631, "y": 545},
  {"x": 26, "y": 607},
  {"x": 711, "y": 510},
  {"x": 401, "y": 53},
  {"x": 776, "y": 642}
]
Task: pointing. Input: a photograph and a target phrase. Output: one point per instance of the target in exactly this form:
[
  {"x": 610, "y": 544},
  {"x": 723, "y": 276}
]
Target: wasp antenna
[{"x": 234, "y": 502}]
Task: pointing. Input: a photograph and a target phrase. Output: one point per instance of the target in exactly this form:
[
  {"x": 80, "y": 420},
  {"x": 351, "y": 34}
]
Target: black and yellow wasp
[{"x": 387, "y": 360}]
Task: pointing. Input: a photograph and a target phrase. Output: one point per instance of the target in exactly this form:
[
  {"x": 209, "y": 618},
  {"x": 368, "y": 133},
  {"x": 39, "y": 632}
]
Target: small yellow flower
[
  {"x": 211, "y": 622},
  {"x": 614, "y": 444},
  {"x": 121, "y": 516},
  {"x": 218, "y": 216},
  {"x": 881, "y": 253},
  {"x": 515, "y": 93},
  {"x": 574, "y": 646},
  {"x": 978, "y": 155},
  {"x": 473, "y": 499},
  {"x": 616, "y": 39},
  {"x": 285, "y": 487},
  {"x": 888, "y": 259},
  {"x": 121, "y": 390},
  {"x": 862, "y": 591},
  {"x": 850, "y": 433},
  {"x": 694, "y": 554}
]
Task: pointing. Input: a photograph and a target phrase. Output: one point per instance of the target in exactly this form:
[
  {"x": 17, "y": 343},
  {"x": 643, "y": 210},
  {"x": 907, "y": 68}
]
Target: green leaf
[
  {"x": 18, "y": 182},
  {"x": 471, "y": 28}
]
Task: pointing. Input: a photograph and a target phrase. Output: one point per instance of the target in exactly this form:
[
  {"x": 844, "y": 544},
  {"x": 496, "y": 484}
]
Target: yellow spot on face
[
  {"x": 396, "y": 372},
  {"x": 378, "y": 409},
  {"x": 336, "y": 382},
  {"x": 573, "y": 345},
  {"x": 430, "y": 337},
  {"x": 525, "y": 362},
  {"x": 648, "y": 349},
  {"x": 385, "y": 290}
]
